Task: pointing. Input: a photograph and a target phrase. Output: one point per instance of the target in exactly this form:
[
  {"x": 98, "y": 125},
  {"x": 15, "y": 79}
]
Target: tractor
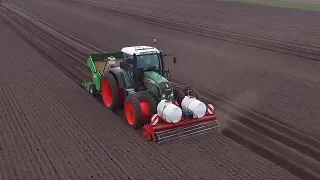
[{"x": 136, "y": 80}]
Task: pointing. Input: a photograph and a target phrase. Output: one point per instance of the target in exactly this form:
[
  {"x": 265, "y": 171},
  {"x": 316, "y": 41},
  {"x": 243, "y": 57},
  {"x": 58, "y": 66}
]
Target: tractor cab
[
  {"x": 140, "y": 59},
  {"x": 144, "y": 58}
]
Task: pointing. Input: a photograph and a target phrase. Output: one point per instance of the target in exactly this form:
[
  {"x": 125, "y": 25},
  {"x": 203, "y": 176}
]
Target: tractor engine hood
[{"x": 158, "y": 85}]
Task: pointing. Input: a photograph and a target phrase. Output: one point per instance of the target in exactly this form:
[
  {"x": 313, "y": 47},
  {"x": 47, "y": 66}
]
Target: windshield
[{"x": 148, "y": 62}]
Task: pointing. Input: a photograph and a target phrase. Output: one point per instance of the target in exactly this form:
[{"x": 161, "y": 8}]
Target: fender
[{"x": 119, "y": 75}]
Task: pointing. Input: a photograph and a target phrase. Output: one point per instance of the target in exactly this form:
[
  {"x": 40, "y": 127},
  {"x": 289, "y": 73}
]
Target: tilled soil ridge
[{"x": 52, "y": 129}]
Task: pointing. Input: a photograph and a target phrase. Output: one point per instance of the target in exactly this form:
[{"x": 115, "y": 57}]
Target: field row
[{"x": 221, "y": 18}]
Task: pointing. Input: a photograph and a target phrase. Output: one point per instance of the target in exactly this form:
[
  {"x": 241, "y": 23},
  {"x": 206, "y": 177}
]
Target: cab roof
[{"x": 138, "y": 50}]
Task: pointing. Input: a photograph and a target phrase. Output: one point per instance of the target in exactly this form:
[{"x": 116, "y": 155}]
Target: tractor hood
[
  {"x": 155, "y": 77},
  {"x": 157, "y": 84}
]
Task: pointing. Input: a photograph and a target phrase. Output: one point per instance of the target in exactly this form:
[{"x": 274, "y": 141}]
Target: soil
[
  {"x": 283, "y": 87},
  {"x": 51, "y": 128}
]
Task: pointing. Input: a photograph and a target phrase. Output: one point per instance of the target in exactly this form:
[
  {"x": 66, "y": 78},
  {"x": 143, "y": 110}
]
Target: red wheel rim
[
  {"x": 145, "y": 109},
  {"x": 106, "y": 92},
  {"x": 130, "y": 113}
]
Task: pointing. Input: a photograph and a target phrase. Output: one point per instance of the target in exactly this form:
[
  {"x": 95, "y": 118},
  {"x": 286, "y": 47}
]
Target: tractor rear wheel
[
  {"x": 109, "y": 91},
  {"x": 139, "y": 108}
]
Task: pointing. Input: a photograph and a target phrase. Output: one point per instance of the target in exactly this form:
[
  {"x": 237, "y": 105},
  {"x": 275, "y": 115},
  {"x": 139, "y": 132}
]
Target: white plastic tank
[
  {"x": 169, "y": 112},
  {"x": 197, "y": 108}
]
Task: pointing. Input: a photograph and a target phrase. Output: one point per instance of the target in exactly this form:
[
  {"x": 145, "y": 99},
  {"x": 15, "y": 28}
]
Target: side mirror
[{"x": 174, "y": 59}]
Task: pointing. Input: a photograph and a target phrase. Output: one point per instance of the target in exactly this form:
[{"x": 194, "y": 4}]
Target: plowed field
[
  {"x": 52, "y": 129},
  {"x": 271, "y": 83}
]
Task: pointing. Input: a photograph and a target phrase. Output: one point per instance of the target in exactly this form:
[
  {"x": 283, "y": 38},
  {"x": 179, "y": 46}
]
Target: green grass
[{"x": 281, "y": 4}]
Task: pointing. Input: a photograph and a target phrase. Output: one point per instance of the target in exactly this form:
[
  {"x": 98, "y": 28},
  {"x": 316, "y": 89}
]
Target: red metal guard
[{"x": 149, "y": 129}]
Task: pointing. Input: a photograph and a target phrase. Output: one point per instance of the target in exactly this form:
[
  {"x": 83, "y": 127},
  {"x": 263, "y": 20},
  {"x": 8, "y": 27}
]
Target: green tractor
[{"x": 136, "y": 80}]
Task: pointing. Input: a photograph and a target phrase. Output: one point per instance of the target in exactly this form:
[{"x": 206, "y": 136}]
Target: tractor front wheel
[
  {"x": 138, "y": 109},
  {"x": 180, "y": 93},
  {"x": 192, "y": 92}
]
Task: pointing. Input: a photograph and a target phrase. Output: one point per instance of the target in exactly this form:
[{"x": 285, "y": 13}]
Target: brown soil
[
  {"x": 52, "y": 129},
  {"x": 283, "y": 87},
  {"x": 82, "y": 120}
]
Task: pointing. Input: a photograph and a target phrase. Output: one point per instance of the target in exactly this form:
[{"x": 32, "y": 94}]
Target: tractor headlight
[{"x": 164, "y": 95}]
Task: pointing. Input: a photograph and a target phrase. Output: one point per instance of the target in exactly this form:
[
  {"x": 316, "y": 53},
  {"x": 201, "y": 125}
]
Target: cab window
[{"x": 148, "y": 61}]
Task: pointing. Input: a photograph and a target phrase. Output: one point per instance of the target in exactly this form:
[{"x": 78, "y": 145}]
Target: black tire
[
  {"x": 192, "y": 92},
  {"x": 132, "y": 105},
  {"x": 180, "y": 93},
  {"x": 112, "y": 81}
]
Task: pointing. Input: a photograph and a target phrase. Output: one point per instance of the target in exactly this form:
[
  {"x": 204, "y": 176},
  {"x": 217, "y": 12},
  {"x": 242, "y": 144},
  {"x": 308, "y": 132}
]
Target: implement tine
[{"x": 182, "y": 132}]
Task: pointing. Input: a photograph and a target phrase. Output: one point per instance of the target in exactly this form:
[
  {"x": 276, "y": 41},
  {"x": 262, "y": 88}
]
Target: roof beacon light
[{"x": 154, "y": 42}]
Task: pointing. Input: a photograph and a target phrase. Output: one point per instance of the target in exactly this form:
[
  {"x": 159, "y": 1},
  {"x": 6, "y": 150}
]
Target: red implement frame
[{"x": 157, "y": 124}]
